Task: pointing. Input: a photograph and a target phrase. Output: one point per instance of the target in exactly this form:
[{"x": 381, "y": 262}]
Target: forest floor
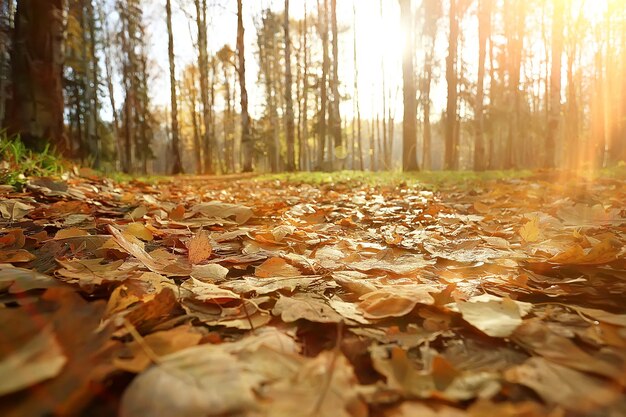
[{"x": 327, "y": 296}]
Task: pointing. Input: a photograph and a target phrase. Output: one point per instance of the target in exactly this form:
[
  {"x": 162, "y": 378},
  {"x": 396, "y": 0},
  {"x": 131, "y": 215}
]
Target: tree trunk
[
  {"x": 36, "y": 110},
  {"x": 451, "y": 78},
  {"x": 203, "y": 68},
  {"x": 177, "y": 166},
  {"x": 289, "y": 122},
  {"x": 409, "y": 121},
  {"x": 432, "y": 14},
  {"x": 554, "y": 112},
  {"x": 336, "y": 119},
  {"x": 246, "y": 135},
  {"x": 484, "y": 29},
  {"x": 323, "y": 15},
  {"x": 515, "y": 45},
  {"x": 305, "y": 151},
  {"x": 359, "y": 139}
]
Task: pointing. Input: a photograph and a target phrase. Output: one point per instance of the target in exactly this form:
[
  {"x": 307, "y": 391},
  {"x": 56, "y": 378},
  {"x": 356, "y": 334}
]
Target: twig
[{"x": 142, "y": 343}]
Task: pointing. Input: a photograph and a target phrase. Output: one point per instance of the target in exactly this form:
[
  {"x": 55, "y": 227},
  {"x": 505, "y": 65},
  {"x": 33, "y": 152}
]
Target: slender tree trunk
[
  {"x": 484, "y": 28},
  {"x": 177, "y": 166},
  {"x": 323, "y": 14},
  {"x": 383, "y": 157},
  {"x": 336, "y": 126},
  {"x": 291, "y": 152},
  {"x": 305, "y": 94},
  {"x": 109, "y": 83},
  {"x": 554, "y": 112},
  {"x": 37, "y": 105},
  {"x": 359, "y": 137},
  {"x": 246, "y": 134},
  {"x": 515, "y": 45},
  {"x": 203, "y": 68},
  {"x": 451, "y": 78},
  {"x": 432, "y": 13},
  {"x": 409, "y": 121}
]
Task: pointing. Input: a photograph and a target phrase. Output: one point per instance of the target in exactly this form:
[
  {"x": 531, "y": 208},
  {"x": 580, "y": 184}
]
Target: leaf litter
[{"x": 267, "y": 298}]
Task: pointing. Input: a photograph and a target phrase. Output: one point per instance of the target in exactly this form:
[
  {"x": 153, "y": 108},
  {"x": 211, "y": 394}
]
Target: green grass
[
  {"x": 428, "y": 179},
  {"x": 123, "y": 178},
  {"x": 18, "y": 162}
]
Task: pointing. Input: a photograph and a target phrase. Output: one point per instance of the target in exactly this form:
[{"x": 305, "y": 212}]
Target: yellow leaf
[
  {"x": 530, "y": 231},
  {"x": 139, "y": 231}
]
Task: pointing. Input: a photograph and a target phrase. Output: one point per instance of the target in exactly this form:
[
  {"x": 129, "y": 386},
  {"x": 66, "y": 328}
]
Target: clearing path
[{"x": 244, "y": 297}]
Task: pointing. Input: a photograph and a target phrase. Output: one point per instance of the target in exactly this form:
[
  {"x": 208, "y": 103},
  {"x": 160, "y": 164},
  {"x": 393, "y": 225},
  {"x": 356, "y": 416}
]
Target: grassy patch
[
  {"x": 429, "y": 179},
  {"x": 18, "y": 162}
]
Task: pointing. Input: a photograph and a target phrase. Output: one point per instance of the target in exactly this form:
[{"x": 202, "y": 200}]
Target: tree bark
[
  {"x": 289, "y": 122},
  {"x": 554, "y": 105},
  {"x": 409, "y": 121},
  {"x": 177, "y": 166},
  {"x": 37, "y": 105},
  {"x": 484, "y": 28},
  {"x": 246, "y": 134},
  {"x": 336, "y": 119},
  {"x": 451, "y": 78},
  {"x": 323, "y": 28}
]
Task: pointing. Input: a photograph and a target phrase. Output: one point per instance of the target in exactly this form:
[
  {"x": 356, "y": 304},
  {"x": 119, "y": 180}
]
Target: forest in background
[{"x": 526, "y": 84}]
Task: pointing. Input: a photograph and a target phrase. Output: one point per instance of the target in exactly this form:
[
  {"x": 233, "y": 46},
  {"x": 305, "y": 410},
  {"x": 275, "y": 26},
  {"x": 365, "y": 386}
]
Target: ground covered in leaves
[{"x": 239, "y": 297}]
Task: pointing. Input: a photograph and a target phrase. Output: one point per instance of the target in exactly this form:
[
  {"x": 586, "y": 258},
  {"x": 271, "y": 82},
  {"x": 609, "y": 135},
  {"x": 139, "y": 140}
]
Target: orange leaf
[{"x": 199, "y": 247}]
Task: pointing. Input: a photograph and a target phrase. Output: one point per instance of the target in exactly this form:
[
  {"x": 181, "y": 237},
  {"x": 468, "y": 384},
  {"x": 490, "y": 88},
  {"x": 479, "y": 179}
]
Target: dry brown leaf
[
  {"x": 69, "y": 233},
  {"x": 306, "y": 307},
  {"x": 199, "y": 247},
  {"x": 160, "y": 343},
  {"x": 37, "y": 360},
  {"x": 393, "y": 303},
  {"x": 494, "y": 316},
  {"x": 559, "y": 385},
  {"x": 16, "y": 256},
  {"x": 276, "y": 267}
]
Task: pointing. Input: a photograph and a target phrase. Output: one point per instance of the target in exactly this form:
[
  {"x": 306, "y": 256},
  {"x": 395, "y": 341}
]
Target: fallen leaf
[
  {"x": 139, "y": 231},
  {"x": 307, "y": 307},
  {"x": 563, "y": 386},
  {"x": 37, "y": 360},
  {"x": 494, "y": 316},
  {"x": 209, "y": 272},
  {"x": 393, "y": 303},
  {"x": 197, "y": 381},
  {"x": 530, "y": 230},
  {"x": 70, "y": 233},
  {"x": 161, "y": 344},
  {"x": 276, "y": 267},
  {"x": 199, "y": 247},
  {"x": 224, "y": 211},
  {"x": 203, "y": 291},
  {"x": 16, "y": 256}
]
